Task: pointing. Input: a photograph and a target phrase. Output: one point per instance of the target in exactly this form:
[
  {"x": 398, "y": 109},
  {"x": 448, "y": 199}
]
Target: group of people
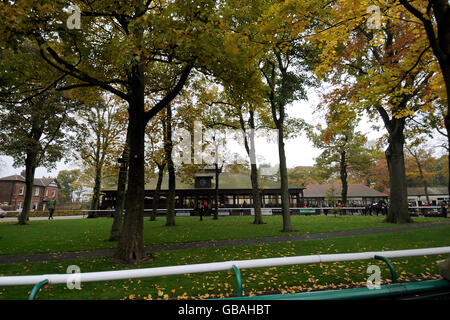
[{"x": 380, "y": 207}]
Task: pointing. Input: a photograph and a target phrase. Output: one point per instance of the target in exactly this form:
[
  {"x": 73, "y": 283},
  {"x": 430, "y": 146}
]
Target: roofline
[
  {"x": 39, "y": 184},
  {"x": 209, "y": 189}
]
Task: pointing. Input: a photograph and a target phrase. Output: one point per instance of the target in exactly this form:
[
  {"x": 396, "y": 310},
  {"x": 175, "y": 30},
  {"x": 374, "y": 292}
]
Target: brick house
[{"x": 12, "y": 192}]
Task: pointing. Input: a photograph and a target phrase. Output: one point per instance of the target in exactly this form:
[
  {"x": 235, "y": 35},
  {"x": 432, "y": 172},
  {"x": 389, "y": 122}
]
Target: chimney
[{"x": 23, "y": 173}]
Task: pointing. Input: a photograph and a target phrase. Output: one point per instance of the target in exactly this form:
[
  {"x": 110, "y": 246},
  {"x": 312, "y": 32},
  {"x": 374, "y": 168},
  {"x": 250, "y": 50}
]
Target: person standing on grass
[
  {"x": 200, "y": 211},
  {"x": 444, "y": 209},
  {"x": 205, "y": 207},
  {"x": 51, "y": 209}
]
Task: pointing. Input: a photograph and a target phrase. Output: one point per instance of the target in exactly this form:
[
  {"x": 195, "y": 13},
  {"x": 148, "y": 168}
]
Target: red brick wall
[
  {"x": 10, "y": 193},
  {"x": 6, "y": 188},
  {"x": 50, "y": 192},
  {"x": 15, "y": 197}
]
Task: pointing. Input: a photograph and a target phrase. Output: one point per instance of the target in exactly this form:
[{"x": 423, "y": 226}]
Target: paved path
[
  {"x": 40, "y": 257},
  {"x": 14, "y": 219}
]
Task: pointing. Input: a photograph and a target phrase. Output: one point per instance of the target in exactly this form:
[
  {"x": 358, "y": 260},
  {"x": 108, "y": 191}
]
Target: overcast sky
[{"x": 299, "y": 151}]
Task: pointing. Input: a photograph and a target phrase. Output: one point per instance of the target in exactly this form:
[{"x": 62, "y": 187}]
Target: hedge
[{"x": 46, "y": 213}]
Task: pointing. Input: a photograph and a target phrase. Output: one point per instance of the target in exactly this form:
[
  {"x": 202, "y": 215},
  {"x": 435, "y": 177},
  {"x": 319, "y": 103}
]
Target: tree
[
  {"x": 249, "y": 143},
  {"x": 434, "y": 16},
  {"x": 420, "y": 165},
  {"x": 344, "y": 149},
  {"x": 160, "y": 43},
  {"x": 35, "y": 133},
  {"x": 156, "y": 156},
  {"x": 284, "y": 85},
  {"x": 376, "y": 176},
  {"x": 284, "y": 66},
  {"x": 66, "y": 179},
  {"x": 105, "y": 123},
  {"x": 440, "y": 176},
  {"x": 389, "y": 72},
  {"x": 304, "y": 175},
  {"x": 116, "y": 228},
  {"x": 236, "y": 108},
  {"x": 168, "y": 148}
]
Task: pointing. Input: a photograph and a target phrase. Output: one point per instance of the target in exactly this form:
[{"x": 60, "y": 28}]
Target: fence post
[
  {"x": 36, "y": 289},
  {"x": 238, "y": 280},
  {"x": 390, "y": 265}
]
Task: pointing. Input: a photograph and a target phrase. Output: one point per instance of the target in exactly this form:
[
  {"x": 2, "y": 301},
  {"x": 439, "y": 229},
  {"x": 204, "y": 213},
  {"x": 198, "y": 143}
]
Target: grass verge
[{"x": 90, "y": 234}]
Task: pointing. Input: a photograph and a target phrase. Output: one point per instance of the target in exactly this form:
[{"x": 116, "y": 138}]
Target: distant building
[
  {"x": 317, "y": 195},
  {"x": 235, "y": 190},
  {"x": 417, "y": 196},
  {"x": 12, "y": 192}
]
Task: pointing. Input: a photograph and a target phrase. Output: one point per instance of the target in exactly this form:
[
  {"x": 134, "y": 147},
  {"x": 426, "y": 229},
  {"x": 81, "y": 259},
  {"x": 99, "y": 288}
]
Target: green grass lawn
[
  {"x": 255, "y": 281},
  {"x": 90, "y": 234}
]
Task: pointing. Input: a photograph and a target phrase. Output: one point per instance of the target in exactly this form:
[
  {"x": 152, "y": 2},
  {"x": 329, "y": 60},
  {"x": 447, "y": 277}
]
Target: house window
[
  {"x": 35, "y": 205},
  {"x": 36, "y": 191},
  {"x": 19, "y": 205},
  {"x": 53, "y": 193},
  {"x": 21, "y": 190},
  {"x": 46, "y": 192}
]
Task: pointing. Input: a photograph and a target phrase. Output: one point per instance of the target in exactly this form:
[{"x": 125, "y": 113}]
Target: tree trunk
[
  {"x": 446, "y": 72},
  {"x": 447, "y": 126},
  {"x": 171, "y": 169},
  {"x": 254, "y": 171},
  {"x": 277, "y": 106},
  {"x": 30, "y": 168},
  {"x": 256, "y": 195},
  {"x": 155, "y": 201},
  {"x": 130, "y": 248},
  {"x": 120, "y": 199},
  {"x": 398, "y": 201},
  {"x": 287, "y": 226},
  {"x": 216, "y": 191},
  {"x": 441, "y": 50},
  {"x": 96, "y": 195},
  {"x": 422, "y": 177},
  {"x": 343, "y": 175},
  {"x": 440, "y": 44},
  {"x": 251, "y": 152}
]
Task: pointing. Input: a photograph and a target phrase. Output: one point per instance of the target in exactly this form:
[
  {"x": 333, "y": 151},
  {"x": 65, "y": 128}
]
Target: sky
[{"x": 299, "y": 150}]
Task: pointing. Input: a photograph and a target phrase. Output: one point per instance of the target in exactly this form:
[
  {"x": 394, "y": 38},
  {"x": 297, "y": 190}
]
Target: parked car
[{"x": 2, "y": 213}]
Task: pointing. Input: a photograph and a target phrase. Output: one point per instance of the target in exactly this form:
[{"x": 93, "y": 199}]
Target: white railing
[
  {"x": 213, "y": 267},
  {"x": 225, "y": 211}
]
